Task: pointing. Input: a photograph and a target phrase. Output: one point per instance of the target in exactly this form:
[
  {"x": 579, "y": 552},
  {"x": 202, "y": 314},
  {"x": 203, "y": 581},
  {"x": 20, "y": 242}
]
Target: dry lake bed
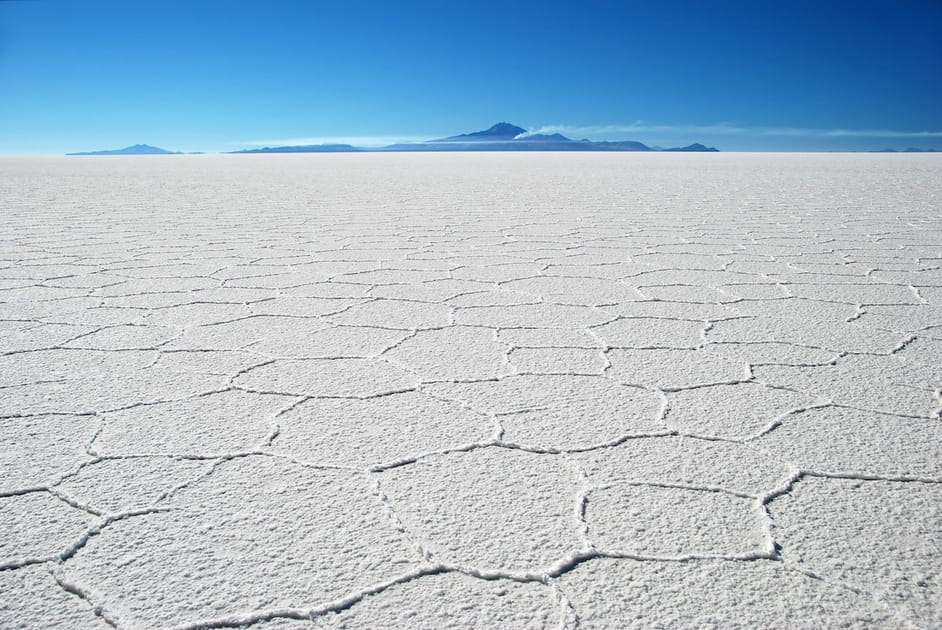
[{"x": 498, "y": 390}]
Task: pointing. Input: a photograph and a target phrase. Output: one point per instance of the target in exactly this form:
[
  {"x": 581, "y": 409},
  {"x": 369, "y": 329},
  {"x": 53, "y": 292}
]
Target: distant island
[
  {"x": 137, "y": 149},
  {"x": 500, "y": 137}
]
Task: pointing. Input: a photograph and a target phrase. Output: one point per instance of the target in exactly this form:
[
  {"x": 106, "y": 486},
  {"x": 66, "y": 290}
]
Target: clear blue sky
[{"x": 219, "y": 75}]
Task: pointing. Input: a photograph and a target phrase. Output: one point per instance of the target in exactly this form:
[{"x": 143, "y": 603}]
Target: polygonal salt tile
[
  {"x": 861, "y": 381},
  {"x": 400, "y": 314},
  {"x": 856, "y": 293},
  {"x": 673, "y": 310},
  {"x": 35, "y": 450},
  {"x": 687, "y": 293},
  {"x": 496, "y": 273},
  {"x": 694, "y": 277},
  {"x": 731, "y": 411},
  {"x": 275, "y": 331},
  {"x": 843, "y": 441},
  {"x": 365, "y": 433},
  {"x": 233, "y": 295},
  {"x": 749, "y": 291},
  {"x": 285, "y": 543},
  {"x": 148, "y": 301},
  {"x": 253, "y": 270},
  {"x": 331, "y": 378},
  {"x": 626, "y": 593},
  {"x": 37, "y": 293},
  {"x": 673, "y": 368},
  {"x": 685, "y": 461},
  {"x": 39, "y": 336},
  {"x": 497, "y": 297},
  {"x": 902, "y": 317},
  {"x": 280, "y": 280},
  {"x": 175, "y": 270},
  {"x": 102, "y": 316},
  {"x": 580, "y": 291},
  {"x": 326, "y": 290},
  {"x": 648, "y": 332},
  {"x": 490, "y": 508},
  {"x": 336, "y": 341},
  {"x": 557, "y": 361},
  {"x": 219, "y": 423},
  {"x": 531, "y": 316},
  {"x": 31, "y": 598},
  {"x": 607, "y": 271},
  {"x": 763, "y": 267},
  {"x": 303, "y": 306},
  {"x": 38, "y": 526},
  {"x": 681, "y": 261},
  {"x": 561, "y": 412},
  {"x": 219, "y": 362},
  {"x": 454, "y": 353},
  {"x": 452, "y": 600},
  {"x": 393, "y": 276},
  {"x": 122, "y": 485},
  {"x": 197, "y": 314},
  {"x": 548, "y": 338},
  {"x": 432, "y": 291},
  {"x": 137, "y": 286},
  {"x": 844, "y": 268},
  {"x": 64, "y": 363},
  {"x": 105, "y": 391},
  {"x": 790, "y": 279},
  {"x": 830, "y": 335},
  {"x": 124, "y": 338},
  {"x": 880, "y": 536},
  {"x": 772, "y": 353},
  {"x": 796, "y": 307},
  {"x": 670, "y": 522},
  {"x": 912, "y": 277}
]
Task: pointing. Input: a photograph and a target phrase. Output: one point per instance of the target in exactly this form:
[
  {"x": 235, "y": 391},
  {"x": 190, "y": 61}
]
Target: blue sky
[{"x": 220, "y": 75}]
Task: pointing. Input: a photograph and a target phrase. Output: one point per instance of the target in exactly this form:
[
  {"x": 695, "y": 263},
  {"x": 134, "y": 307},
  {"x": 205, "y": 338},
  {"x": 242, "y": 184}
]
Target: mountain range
[
  {"x": 506, "y": 137},
  {"x": 500, "y": 137}
]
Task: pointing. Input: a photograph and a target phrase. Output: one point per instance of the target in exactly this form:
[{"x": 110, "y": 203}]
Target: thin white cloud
[
  {"x": 357, "y": 141},
  {"x": 727, "y": 129}
]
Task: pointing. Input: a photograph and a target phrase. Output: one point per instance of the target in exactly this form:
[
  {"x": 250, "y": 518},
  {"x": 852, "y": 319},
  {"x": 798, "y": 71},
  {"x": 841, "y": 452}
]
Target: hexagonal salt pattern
[
  {"x": 471, "y": 390},
  {"x": 522, "y": 519},
  {"x": 290, "y": 532}
]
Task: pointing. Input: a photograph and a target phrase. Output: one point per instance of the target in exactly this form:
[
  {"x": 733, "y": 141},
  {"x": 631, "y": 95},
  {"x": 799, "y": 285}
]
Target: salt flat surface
[{"x": 471, "y": 390}]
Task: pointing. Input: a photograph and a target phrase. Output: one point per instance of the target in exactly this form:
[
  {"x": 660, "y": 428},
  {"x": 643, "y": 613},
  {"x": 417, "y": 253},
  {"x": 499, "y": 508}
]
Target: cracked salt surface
[{"x": 425, "y": 391}]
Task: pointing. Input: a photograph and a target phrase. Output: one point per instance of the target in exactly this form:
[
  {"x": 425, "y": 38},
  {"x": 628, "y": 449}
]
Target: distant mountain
[
  {"x": 500, "y": 132},
  {"x": 695, "y": 147},
  {"x": 305, "y": 148},
  {"x": 506, "y": 137},
  {"x": 137, "y": 149}
]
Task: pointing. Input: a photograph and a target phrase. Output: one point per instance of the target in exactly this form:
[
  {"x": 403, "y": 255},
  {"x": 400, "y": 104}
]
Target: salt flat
[{"x": 471, "y": 390}]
